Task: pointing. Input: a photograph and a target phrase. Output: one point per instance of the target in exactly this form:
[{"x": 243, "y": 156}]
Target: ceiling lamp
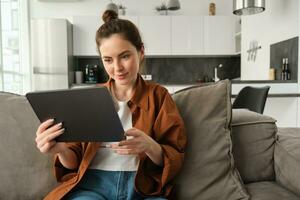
[{"x": 248, "y": 7}]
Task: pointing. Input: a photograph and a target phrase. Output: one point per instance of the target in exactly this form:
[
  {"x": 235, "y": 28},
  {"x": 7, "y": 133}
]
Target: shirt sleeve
[
  {"x": 169, "y": 132},
  {"x": 61, "y": 173}
]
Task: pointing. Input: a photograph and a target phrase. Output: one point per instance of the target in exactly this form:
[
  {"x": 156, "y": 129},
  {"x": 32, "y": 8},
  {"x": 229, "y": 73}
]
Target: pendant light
[{"x": 248, "y": 7}]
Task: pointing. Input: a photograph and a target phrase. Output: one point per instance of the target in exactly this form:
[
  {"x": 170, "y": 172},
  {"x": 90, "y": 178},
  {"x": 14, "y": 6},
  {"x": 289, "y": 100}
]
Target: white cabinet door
[
  {"x": 133, "y": 19},
  {"x": 156, "y": 34},
  {"x": 219, "y": 32},
  {"x": 84, "y": 31},
  {"x": 187, "y": 35}
]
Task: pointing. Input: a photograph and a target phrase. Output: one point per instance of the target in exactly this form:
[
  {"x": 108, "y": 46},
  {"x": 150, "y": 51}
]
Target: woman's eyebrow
[{"x": 124, "y": 52}]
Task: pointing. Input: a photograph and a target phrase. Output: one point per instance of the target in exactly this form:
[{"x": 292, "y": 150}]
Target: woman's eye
[
  {"x": 126, "y": 56},
  {"x": 107, "y": 60}
]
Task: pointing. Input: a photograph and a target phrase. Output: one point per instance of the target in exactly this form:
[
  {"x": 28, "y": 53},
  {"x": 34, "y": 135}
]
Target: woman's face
[{"x": 121, "y": 59}]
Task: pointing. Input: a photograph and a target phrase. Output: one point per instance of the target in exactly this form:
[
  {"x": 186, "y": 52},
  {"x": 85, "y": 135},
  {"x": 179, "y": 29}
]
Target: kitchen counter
[
  {"x": 262, "y": 81},
  {"x": 278, "y": 88}
]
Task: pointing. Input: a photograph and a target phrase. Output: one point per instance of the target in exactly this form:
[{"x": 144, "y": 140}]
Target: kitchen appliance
[
  {"x": 51, "y": 41},
  {"x": 91, "y": 73}
]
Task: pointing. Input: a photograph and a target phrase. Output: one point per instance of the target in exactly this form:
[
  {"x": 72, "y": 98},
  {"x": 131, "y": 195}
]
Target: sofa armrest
[
  {"x": 253, "y": 137},
  {"x": 287, "y": 159}
]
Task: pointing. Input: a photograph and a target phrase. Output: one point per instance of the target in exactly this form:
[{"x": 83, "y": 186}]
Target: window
[{"x": 14, "y": 47}]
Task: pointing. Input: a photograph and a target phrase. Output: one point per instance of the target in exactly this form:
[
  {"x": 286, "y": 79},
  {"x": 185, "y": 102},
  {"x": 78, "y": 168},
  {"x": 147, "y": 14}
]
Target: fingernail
[{"x": 60, "y": 124}]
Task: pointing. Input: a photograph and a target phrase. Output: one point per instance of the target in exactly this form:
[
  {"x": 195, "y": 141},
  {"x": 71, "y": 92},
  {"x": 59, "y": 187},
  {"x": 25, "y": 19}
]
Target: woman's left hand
[{"x": 140, "y": 142}]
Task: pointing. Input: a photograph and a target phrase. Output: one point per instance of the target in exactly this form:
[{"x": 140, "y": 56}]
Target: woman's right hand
[{"x": 45, "y": 137}]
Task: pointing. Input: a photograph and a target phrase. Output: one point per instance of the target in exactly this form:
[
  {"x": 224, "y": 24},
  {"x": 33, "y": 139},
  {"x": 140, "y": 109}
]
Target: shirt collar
[{"x": 140, "y": 96}]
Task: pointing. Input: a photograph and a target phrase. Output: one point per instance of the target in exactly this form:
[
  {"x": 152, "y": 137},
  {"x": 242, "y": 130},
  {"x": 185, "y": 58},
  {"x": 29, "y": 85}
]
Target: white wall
[
  {"x": 279, "y": 22},
  {"x": 134, "y": 7}
]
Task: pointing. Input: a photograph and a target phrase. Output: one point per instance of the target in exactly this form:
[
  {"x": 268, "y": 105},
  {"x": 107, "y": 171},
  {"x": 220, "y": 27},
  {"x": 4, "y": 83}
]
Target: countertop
[{"x": 278, "y": 88}]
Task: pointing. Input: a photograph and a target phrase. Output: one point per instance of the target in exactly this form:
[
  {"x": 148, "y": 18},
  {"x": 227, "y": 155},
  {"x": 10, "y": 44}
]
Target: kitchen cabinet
[
  {"x": 238, "y": 35},
  {"x": 166, "y": 35},
  {"x": 156, "y": 34},
  {"x": 187, "y": 35},
  {"x": 133, "y": 19},
  {"x": 219, "y": 35},
  {"x": 84, "y": 31}
]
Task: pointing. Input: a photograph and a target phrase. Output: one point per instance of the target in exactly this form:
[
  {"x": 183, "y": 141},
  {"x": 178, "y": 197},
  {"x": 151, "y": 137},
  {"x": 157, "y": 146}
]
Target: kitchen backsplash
[
  {"x": 176, "y": 70},
  {"x": 285, "y": 49},
  {"x": 191, "y": 70}
]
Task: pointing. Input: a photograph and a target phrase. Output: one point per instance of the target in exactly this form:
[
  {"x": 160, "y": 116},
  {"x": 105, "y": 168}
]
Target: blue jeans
[{"x": 107, "y": 185}]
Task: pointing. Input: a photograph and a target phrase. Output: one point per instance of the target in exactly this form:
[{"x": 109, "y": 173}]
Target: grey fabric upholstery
[
  {"x": 208, "y": 171},
  {"x": 269, "y": 191},
  {"x": 287, "y": 159},
  {"x": 253, "y": 137},
  {"x": 24, "y": 172}
]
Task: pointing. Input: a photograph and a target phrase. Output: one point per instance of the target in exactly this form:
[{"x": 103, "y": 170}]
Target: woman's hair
[{"x": 114, "y": 25}]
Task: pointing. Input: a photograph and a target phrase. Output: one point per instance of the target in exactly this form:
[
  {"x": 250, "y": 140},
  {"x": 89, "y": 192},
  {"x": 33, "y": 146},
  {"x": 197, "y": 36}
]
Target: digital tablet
[{"x": 87, "y": 114}]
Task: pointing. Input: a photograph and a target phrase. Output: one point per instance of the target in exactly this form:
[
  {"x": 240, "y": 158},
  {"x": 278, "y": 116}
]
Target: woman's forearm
[
  {"x": 155, "y": 153},
  {"x": 68, "y": 159}
]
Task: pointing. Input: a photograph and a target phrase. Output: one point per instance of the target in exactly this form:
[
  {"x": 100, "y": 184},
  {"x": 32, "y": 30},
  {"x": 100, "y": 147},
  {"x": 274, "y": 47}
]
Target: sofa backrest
[{"x": 25, "y": 173}]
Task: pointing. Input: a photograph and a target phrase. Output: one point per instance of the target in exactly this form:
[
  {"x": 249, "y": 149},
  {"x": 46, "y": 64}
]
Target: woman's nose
[{"x": 118, "y": 66}]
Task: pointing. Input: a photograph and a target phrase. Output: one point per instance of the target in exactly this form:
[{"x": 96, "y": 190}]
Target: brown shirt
[{"x": 155, "y": 113}]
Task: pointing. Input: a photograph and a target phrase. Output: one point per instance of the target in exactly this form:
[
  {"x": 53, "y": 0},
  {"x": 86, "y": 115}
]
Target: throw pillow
[{"x": 208, "y": 171}]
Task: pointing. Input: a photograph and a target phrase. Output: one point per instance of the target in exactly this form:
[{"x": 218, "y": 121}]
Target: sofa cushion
[
  {"x": 208, "y": 171},
  {"x": 287, "y": 159},
  {"x": 269, "y": 191},
  {"x": 25, "y": 173},
  {"x": 253, "y": 137}
]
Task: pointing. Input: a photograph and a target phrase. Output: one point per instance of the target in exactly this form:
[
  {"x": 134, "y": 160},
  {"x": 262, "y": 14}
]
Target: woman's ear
[{"x": 142, "y": 53}]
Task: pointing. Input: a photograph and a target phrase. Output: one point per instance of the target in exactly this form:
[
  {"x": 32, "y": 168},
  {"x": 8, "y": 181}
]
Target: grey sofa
[{"x": 260, "y": 162}]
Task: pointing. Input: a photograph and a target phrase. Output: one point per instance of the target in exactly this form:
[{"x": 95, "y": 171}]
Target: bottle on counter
[
  {"x": 288, "y": 72},
  {"x": 283, "y": 71}
]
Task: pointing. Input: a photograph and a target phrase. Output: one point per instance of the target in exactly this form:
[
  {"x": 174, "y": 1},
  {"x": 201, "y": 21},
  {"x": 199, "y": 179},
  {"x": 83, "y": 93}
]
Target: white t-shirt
[{"x": 106, "y": 158}]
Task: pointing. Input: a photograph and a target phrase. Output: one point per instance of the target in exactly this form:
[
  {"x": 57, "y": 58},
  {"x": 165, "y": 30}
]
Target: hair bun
[{"x": 109, "y": 15}]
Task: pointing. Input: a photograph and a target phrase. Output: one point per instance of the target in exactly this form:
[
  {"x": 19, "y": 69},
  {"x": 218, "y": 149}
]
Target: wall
[
  {"x": 134, "y": 7},
  {"x": 298, "y": 99},
  {"x": 278, "y": 22}
]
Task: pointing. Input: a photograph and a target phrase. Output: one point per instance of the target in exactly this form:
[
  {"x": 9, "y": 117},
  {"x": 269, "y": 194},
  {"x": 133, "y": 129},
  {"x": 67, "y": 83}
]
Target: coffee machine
[{"x": 91, "y": 73}]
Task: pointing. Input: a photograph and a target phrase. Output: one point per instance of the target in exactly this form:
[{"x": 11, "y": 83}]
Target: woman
[{"x": 140, "y": 167}]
